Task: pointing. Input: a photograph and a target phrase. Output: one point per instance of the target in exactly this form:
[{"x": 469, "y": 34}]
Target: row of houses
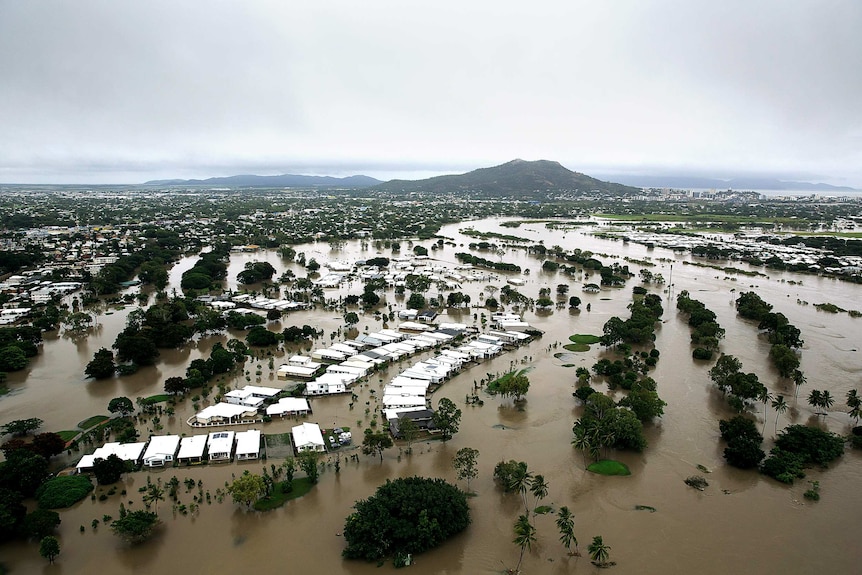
[
  {"x": 243, "y": 406},
  {"x": 167, "y": 450}
]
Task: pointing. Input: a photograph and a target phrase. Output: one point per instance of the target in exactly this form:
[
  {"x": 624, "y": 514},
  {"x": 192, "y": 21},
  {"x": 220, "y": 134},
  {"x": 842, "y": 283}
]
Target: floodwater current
[{"x": 742, "y": 523}]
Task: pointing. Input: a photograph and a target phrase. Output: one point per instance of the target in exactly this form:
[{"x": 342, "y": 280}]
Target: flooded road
[{"x": 742, "y": 523}]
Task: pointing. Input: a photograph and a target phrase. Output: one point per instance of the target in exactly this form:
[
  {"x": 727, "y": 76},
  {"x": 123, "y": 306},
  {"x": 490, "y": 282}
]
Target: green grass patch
[
  {"x": 609, "y": 467},
  {"x": 835, "y": 234},
  {"x": 542, "y": 510},
  {"x": 158, "y": 398},
  {"x": 576, "y": 347},
  {"x": 68, "y": 435},
  {"x": 301, "y": 486},
  {"x": 275, "y": 439},
  {"x": 584, "y": 338},
  {"x": 93, "y": 421},
  {"x": 63, "y": 491}
]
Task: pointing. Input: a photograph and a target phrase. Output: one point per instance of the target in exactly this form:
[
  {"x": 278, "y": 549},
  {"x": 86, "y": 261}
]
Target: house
[
  {"x": 126, "y": 451},
  {"x": 289, "y": 406},
  {"x": 220, "y": 445},
  {"x": 248, "y": 445},
  {"x": 308, "y": 437},
  {"x": 424, "y": 419},
  {"x": 192, "y": 449},
  {"x": 161, "y": 450},
  {"x": 299, "y": 366},
  {"x": 243, "y": 397},
  {"x": 329, "y": 383},
  {"x": 223, "y": 414}
]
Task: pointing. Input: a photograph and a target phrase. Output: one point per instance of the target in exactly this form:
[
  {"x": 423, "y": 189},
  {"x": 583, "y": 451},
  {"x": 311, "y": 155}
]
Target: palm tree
[
  {"x": 798, "y": 380},
  {"x": 826, "y": 400},
  {"x": 780, "y": 406},
  {"x": 539, "y": 488},
  {"x": 598, "y": 551},
  {"x": 520, "y": 482},
  {"x": 854, "y": 402},
  {"x": 815, "y": 398},
  {"x": 566, "y": 525},
  {"x": 154, "y": 494},
  {"x": 582, "y": 442},
  {"x": 764, "y": 396},
  {"x": 525, "y": 535}
]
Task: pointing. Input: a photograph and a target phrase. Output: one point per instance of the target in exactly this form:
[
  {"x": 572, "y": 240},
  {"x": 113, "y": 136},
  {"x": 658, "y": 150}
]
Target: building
[
  {"x": 220, "y": 445},
  {"x": 248, "y": 445},
  {"x": 161, "y": 450},
  {"x": 192, "y": 449},
  {"x": 308, "y": 437},
  {"x": 288, "y": 406},
  {"x": 126, "y": 451}
]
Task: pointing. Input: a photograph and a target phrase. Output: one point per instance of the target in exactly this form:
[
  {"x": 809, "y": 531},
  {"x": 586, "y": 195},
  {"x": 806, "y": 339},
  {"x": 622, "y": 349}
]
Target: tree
[
  {"x": 520, "y": 480},
  {"x": 539, "y": 489},
  {"x": 525, "y": 536},
  {"x": 23, "y": 471},
  {"x": 12, "y": 358},
  {"x": 408, "y": 430},
  {"x": 259, "y": 336},
  {"x": 247, "y": 488},
  {"x": 599, "y": 551},
  {"x": 465, "y": 464},
  {"x": 47, "y": 444},
  {"x": 724, "y": 368},
  {"x": 574, "y": 302},
  {"x": 799, "y": 380},
  {"x": 351, "y": 318},
  {"x": 175, "y": 385},
  {"x": 405, "y": 515},
  {"x": 644, "y": 402},
  {"x": 854, "y": 402},
  {"x": 516, "y": 384},
  {"x": 121, "y": 405},
  {"x": 41, "y": 523},
  {"x": 136, "y": 526},
  {"x": 108, "y": 470},
  {"x": 416, "y": 301},
  {"x": 447, "y": 418},
  {"x": 49, "y": 548},
  {"x": 20, "y": 427},
  {"x": 566, "y": 526},
  {"x": 780, "y": 406},
  {"x": 374, "y": 443},
  {"x": 784, "y": 359},
  {"x": 308, "y": 463},
  {"x": 154, "y": 493}
]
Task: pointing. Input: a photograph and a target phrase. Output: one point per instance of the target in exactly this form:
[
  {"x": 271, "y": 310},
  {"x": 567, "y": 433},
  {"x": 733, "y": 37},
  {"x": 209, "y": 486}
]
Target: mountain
[
  {"x": 515, "y": 178},
  {"x": 747, "y": 183},
  {"x": 284, "y": 180}
]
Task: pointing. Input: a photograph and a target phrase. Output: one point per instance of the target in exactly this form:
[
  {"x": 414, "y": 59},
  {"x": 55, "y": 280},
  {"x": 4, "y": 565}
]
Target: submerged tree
[
  {"x": 780, "y": 406},
  {"x": 136, "y": 526},
  {"x": 465, "y": 464},
  {"x": 49, "y": 548},
  {"x": 525, "y": 536},
  {"x": 599, "y": 552},
  {"x": 566, "y": 525}
]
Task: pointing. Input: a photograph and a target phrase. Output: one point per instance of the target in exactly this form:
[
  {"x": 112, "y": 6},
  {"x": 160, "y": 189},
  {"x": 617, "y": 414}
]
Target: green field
[
  {"x": 301, "y": 486},
  {"x": 158, "y": 398},
  {"x": 68, "y": 435},
  {"x": 609, "y": 467},
  {"x": 93, "y": 421},
  {"x": 584, "y": 338}
]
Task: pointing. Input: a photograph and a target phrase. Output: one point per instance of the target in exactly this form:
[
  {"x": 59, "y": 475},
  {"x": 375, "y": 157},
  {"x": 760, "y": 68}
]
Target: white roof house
[
  {"x": 192, "y": 449},
  {"x": 161, "y": 450},
  {"x": 288, "y": 406},
  {"x": 221, "y": 413},
  {"x": 220, "y": 445},
  {"x": 329, "y": 383},
  {"x": 308, "y": 437},
  {"x": 243, "y": 397},
  {"x": 125, "y": 451},
  {"x": 248, "y": 444},
  {"x": 261, "y": 391}
]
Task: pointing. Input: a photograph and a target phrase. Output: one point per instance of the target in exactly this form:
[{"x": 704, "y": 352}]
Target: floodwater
[{"x": 742, "y": 523}]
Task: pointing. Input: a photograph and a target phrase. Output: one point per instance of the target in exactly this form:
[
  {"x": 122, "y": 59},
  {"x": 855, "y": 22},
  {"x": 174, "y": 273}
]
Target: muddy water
[{"x": 741, "y": 523}]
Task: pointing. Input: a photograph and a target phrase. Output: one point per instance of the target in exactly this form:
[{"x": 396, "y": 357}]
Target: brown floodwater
[{"x": 742, "y": 523}]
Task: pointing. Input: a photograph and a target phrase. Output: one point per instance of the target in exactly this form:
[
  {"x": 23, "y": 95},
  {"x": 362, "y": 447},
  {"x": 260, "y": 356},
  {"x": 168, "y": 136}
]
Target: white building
[
  {"x": 248, "y": 445},
  {"x": 161, "y": 450},
  {"x": 288, "y": 406},
  {"x": 192, "y": 449},
  {"x": 125, "y": 451},
  {"x": 308, "y": 437},
  {"x": 220, "y": 445}
]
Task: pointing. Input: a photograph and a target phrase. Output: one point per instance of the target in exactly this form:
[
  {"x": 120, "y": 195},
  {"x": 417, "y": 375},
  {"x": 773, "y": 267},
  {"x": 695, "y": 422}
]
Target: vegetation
[
  {"x": 514, "y": 384},
  {"x": 63, "y": 491},
  {"x": 136, "y": 526},
  {"x": 800, "y": 446},
  {"x": 108, "y": 470},
  {"x": 743, "y": 442},
  {"x": 49, "y": 548},
  {"x": 405, "y": 516},
  {"x": 465, "y": 463},
  {"x": 609, "y": 467},
  {"x": 247, "y": 488},
  {"x": 447, "y": 418}
]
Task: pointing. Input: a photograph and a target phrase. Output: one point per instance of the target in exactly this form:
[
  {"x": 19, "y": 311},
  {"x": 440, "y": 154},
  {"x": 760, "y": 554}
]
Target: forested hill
[
  {"x": 284, "y": 180},
  {"x": 515, "y": 178}
]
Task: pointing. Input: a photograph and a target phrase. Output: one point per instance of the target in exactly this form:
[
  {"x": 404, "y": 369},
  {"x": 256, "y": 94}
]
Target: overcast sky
[{"x": 123, "y": 92}]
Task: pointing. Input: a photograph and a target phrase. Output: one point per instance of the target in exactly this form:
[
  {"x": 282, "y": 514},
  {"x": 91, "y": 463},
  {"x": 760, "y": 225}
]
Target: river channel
[{"x": 742, "y": 523}]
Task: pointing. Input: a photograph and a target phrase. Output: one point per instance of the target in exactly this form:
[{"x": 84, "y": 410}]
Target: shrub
[
  {"x": 783, "y": 466},
  {"x": 815, "y": 446},
  {"x": 407, "y": 515},
  {"x": 701, "y": 353},
  {"x": 64, "y": 491}
]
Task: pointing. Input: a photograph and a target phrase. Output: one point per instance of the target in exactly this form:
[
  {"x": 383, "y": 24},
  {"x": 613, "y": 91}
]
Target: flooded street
[{"x": 743, "y": 522}]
